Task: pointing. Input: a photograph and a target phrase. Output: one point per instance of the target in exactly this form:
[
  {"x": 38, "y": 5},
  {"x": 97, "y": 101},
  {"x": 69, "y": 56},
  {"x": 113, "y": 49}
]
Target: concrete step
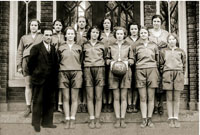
[{"x": 17, "y": 117}]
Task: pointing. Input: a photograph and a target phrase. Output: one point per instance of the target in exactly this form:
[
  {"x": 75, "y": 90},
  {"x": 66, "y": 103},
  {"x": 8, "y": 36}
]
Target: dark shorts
[
  {"x": 173, "y": 80},
  {"x": 117, "y": 82},
  {"x": 25, "y": 67},
  {"x": 148, "y": 77},
  {"x": 94, "y": 76},
  {"x": 70, "y": 79}
]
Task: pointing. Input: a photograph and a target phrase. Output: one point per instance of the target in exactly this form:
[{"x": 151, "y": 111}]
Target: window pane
[{"x": 22, "y": 16}]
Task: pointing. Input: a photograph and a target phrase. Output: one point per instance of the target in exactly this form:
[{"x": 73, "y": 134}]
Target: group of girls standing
[{"x": 86, "y": 57}]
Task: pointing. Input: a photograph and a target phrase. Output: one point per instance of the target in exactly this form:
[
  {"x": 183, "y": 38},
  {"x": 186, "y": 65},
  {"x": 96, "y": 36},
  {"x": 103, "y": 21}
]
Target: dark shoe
[
  {"x": 129, "y": 109},
  {"x": 72, "y": 124},
  {"x": 98, "y": 124},
  {"x": 171, "y": 123},
  {"x": 67, "y": 123},
  {"x": 79, "y": 110},
  {"x": 110, "y": 108},
  {"x": 27, "y": 112},
  {"x": 155, "y": 111},
  {"x": 49, "y": 126},
  {"x": 104, "y": 108},
  {"x": 84, "y": 108},
  {"x": 117, "y": 123},
  {"x": 160, "y": 110},
  {"x": 123, "y": 124},
  {"x": 144, "y": 123},
  {"x": 150, "y": 123},
  {"x": 91, "y": 124},
  {"x": 134, "y": 109},
  {"x": 36, "y": 128},
  {"x": 176, "y": 123}
]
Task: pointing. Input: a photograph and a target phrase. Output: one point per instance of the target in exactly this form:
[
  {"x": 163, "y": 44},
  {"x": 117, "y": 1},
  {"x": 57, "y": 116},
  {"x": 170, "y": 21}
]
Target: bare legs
[{"x": 28, "y": 95}]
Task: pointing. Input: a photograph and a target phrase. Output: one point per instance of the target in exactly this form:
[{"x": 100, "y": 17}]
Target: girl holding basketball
[
  {"x": 120, "y": 52},
  {"x": 147, "y": 75},
  {"x": 173, "y": 62},
  {"x": 94, "y": 74}
]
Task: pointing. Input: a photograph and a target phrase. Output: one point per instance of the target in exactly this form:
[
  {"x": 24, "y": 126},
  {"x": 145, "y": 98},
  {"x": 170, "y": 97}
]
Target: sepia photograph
[{"x": 127, "y": 67}]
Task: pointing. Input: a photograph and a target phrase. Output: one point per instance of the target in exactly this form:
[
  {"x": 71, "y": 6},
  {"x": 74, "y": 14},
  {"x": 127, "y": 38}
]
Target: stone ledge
[{"x": 17, "y": 117}]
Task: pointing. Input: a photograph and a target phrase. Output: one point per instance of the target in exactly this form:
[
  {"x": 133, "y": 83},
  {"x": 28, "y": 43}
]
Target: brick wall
[
  {"x": 192, "y": 53},
  {"x": 197, "y": 30},
  {"x": 4, "y": 40}
]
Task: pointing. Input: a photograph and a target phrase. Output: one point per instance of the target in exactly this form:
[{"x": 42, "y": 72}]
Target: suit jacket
[{"x": 38, "y": 65}]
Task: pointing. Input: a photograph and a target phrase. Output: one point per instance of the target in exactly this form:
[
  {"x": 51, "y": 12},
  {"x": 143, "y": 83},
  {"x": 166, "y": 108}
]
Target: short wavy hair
[
  {"x": 33, "y": 20},
  {"x": 70, "y": 28},
  {"x": 158, "y": 16},
  {"x": 129, "y": 26},
  {"x": 175, "y": 36},
  {"x": 120, "y": 28},
  {"x": 90, "y": 30}
]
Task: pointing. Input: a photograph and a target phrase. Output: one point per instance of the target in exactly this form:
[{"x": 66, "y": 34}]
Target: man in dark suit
[{"x": 43, "y": 68}]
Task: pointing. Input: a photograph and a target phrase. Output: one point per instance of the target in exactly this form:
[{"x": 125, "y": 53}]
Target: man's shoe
[
  {"x": 36, "y": 128},
  {"x": 49, "y": 126},
  {"x": 27, "y": 112}
]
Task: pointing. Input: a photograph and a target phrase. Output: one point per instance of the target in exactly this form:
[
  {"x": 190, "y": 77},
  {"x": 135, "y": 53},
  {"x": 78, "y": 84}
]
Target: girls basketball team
[{"x": 154, "y": 63}]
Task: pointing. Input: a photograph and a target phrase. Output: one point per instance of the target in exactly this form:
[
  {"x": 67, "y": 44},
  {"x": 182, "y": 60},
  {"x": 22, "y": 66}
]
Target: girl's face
[
  {"x": 172, "y": 41},
  {"x": 134, "y": 30},
  {"x": 144, "y": 34},
  {"x": 34, "y": 26},
  {"x": 94, "y": 34},
  {"x": 156, "y": 23},
  {"x": 81, "y": 23},
  {"x": 120, "y": 35},
  {"x": 58, "y": 26},
  {"x": 70, "y": 35},
  {"x": 107, "y": 24}
]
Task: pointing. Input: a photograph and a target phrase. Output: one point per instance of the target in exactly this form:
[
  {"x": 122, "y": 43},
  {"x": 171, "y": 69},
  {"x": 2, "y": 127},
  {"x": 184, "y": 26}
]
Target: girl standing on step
[
  {"x": 23, "y": 52},
  {"x": 147, "y": 75},
  {"x": 94, "y": 74},
  {"x": 107, "y": 38},
  {"x": 82, "y": 29},
  {"x": 57, "y": 40},
  {"x": 132, "y": 39},
  {"x": 70, "y": 75},
  {"x": 173, "y": 62},
  {"x": 120, "y": 51}
]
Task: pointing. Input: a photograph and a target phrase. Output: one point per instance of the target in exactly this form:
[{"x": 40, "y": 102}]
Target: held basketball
[{"x": 119, "y": 68}]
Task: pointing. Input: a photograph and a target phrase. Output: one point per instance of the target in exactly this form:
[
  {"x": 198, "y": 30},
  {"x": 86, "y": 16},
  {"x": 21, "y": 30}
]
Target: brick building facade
[{"x": 10, "y": 94}]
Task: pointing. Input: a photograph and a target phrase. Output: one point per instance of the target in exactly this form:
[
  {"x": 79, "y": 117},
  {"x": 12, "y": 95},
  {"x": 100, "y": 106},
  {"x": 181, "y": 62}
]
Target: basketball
[{"x": 119, "y": 68}]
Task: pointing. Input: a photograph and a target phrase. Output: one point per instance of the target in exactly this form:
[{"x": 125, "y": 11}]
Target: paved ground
[{"x": 187, "y": 128}]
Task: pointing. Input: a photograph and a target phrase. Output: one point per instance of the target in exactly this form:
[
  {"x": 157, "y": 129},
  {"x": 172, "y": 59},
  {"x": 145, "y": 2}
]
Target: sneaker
[
  {"x": 117, "y": 123},
  {"x": 79, "y": 108},
  {"x": 72, "y": 124},
  {"x": 123, "y": 124},
  {"x": 144, "y": 123},
  {"x": 104, "y": 108},
  {"x": 160, "y": 110},
  {"x": 129, "y": 109},
  {"x": 176, "y": 123},
  {"x": 27, "y": 112},
  {"x": 98, "y": 124},
  {"x": 91, "y": 124},
  {"x": 150, "y": 123},
  {"x": 134, "y": 109},
  {"x": 110, "y": 108},
  {"x": 155, "y": 111},
  {"x": 84, "y": 108},
  {"x": 67, "y": 123},
  {"x": 171, "y": 123}
]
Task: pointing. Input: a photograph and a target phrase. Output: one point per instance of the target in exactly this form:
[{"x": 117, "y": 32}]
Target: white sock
[
  {"x": 67, "y": 118},
  {"x": 72, "y": 118},
  {"x": 92, "y": 117}
]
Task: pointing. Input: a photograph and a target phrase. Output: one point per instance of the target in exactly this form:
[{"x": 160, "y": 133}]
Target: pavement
[{"x": 161, "y": 128}]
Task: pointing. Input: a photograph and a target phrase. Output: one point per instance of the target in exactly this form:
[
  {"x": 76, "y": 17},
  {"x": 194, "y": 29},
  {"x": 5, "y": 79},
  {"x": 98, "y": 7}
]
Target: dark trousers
[{"x": 43, "y": 104}]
